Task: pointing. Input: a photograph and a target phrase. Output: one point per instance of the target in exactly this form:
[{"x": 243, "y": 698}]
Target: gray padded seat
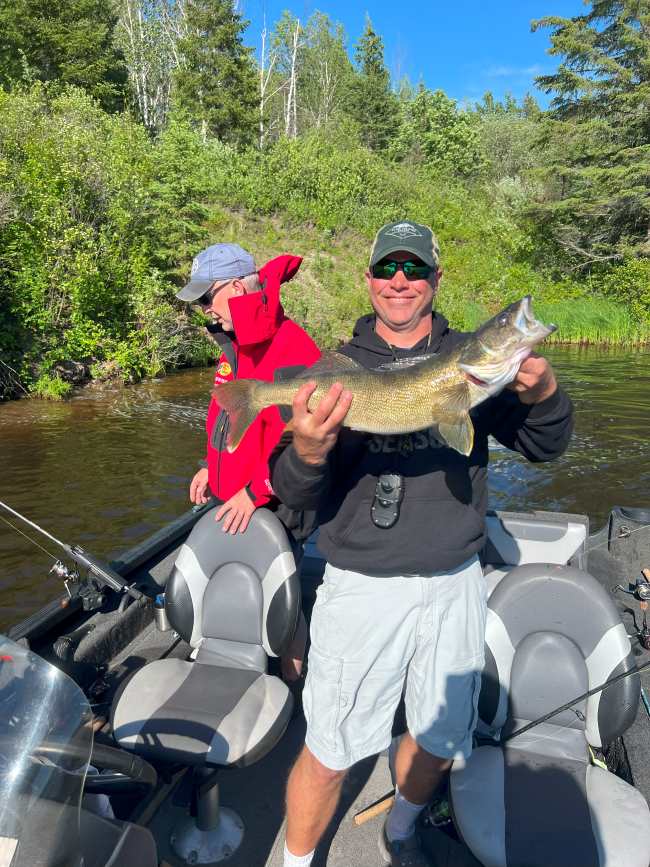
[
  {"x": 236, "y": 599},
  {"x": 552, "y": 633}
]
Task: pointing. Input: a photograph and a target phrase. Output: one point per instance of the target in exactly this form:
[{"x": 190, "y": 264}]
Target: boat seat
[
  {"x": 236, "y": 598},
  {"x": 517, "y": 539},
  {"x": 552, "y": 633}
]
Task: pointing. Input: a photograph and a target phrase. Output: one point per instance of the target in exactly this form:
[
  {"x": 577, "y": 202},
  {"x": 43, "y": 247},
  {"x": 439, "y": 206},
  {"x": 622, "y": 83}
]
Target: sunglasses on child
[{"x": 387, "y": 268}]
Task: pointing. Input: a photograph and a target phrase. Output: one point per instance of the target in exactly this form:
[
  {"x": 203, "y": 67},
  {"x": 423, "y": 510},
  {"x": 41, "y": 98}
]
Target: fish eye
[{"x": 502, "y": 320}]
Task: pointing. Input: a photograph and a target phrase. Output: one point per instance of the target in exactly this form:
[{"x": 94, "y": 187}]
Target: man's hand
[
  {"x": 238, "y": 511},
  {"x": 315, "y": 433},
  {"x": 535, "y": 380},
  {"x": 199, "y": 488}
]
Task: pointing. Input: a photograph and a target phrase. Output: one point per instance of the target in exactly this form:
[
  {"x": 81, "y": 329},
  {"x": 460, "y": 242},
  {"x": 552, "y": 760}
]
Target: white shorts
[{"x": 370, "y": 635}]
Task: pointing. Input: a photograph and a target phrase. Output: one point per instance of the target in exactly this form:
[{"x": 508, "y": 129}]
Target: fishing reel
[
  {"x": 87, "y": 590},
  {"x": 641, "y": 592}
]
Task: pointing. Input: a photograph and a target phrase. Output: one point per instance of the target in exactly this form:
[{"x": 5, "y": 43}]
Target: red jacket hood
[{"x": 256, "y": 316}]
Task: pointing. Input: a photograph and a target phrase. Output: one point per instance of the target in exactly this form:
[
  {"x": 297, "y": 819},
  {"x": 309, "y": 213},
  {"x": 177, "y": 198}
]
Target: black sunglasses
[
  {"x": 206, "y": 299},
  {"x": 412, "y": 270}
]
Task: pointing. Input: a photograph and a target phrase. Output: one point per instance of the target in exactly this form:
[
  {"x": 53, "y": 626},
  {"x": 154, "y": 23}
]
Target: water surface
[{"x": 108, "y": 467}]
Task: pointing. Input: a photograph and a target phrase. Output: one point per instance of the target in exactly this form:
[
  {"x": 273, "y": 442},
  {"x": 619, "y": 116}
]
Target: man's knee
[{"x": 319, "y": 773}]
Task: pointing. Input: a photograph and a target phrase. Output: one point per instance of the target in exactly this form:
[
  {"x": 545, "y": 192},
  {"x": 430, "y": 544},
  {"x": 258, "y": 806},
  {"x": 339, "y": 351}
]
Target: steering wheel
[{"x": 130, "y": 773}]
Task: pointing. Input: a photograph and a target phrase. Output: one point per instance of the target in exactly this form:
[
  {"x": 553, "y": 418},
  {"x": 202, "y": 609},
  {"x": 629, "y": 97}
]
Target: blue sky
[{"x": 464, "y": 47}]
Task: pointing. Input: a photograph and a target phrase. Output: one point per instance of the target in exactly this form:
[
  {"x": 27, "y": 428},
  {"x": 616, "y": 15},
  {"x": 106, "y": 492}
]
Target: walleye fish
[{"x": 410, "y": 394}]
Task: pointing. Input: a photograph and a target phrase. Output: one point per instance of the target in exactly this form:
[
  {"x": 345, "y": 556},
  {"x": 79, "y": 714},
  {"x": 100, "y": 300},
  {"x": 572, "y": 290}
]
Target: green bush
[
  {"x": 99, "y": 223},
  {"x": 629, "y": 285}
]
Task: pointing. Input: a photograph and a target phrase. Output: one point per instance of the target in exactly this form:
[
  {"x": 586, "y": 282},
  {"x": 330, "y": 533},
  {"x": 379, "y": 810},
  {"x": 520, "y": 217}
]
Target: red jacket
[{"x": 264, "y": 340}]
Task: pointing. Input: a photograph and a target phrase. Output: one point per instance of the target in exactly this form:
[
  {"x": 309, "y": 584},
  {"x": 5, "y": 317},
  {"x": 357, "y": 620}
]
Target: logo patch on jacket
[{"x": 223, "y": 372}]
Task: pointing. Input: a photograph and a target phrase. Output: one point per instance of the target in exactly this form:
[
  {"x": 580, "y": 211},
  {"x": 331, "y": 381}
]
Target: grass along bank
[
  {"x": 329, "y": 293},
  {"x": 99, "y": 224}
]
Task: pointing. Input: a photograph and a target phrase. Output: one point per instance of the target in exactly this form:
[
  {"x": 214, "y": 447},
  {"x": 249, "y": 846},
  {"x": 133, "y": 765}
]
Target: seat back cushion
[
  {"x": 572, "y": 617},
  {"x": 241, "y": 587}
]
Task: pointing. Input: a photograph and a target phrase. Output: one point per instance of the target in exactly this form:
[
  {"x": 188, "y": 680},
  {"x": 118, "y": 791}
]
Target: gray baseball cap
[
  {"x": 218, "y": 262},
  {"x": 408, "y": 236}
]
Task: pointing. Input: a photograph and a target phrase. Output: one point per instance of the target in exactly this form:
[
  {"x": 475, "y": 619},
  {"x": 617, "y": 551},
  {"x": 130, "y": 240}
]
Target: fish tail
[{"x": 240, "y": 400}]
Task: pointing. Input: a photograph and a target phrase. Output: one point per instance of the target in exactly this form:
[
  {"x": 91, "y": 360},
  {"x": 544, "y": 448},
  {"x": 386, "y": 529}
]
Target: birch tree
[
  {"x": 148, "y": 32},
  {"x": 326, "y": 72}
]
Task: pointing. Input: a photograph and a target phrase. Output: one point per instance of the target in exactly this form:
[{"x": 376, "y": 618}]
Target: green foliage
[
  {"x": 433, "y": 130},
  {"x": 325, "y": 75},
  {"x": 69, "y": 42},
  {"x": 180, "y": 192},
  {"x": 592, "y": 320},
  {"x": 508, "y": 136},
  {"x": 597, "y": 203},
  {"x": 51, "y": 387},
  {"x": 629, "y": 285},
  {"x": 76, "y": 275},
  {"x": 142, "y": 34},
  {"x": 373, "y": 105},
  {"x": 216, "y": 83}
]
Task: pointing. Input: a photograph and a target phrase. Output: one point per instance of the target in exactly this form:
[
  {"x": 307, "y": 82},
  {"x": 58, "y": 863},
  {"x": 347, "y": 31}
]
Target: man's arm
[
  {"x": 534, "y": 416},
  {"x": 300, "y": 464}
]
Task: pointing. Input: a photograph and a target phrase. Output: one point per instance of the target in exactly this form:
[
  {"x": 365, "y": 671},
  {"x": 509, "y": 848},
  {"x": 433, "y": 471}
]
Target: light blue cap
[{"x": 218, "y": 262}]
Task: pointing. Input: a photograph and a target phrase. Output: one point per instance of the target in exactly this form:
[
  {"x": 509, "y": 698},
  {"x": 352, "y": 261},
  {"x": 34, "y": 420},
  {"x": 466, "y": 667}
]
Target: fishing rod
[
  {"x": 386, "y": 802},
  {"x": 104, "y": 573},
  {"x": 569, "y": 704}
]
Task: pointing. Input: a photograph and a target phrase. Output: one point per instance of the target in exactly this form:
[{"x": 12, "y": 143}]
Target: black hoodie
[{"x": 442, "y": 514}]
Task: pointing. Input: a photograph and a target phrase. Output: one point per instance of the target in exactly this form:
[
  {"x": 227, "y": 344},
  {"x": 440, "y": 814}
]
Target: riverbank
[
  {"x": 99, "y": 223},
  {"x": 329, "y": 294}
]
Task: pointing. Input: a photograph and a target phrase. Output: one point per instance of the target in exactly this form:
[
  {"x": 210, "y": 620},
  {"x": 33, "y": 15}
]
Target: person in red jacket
[{"x": 257, "y": 340}]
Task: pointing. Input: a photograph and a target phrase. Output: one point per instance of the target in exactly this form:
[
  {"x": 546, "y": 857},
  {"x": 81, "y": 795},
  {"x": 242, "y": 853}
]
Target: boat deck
[{"x": 257, "y": 793}]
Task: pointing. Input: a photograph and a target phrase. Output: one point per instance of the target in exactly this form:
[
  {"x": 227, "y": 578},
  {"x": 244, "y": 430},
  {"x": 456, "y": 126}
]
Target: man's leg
[
  {"x": 417, "y": 776},
  {"x": 417, "y": 772},
  {"x": 362, "y": 632},
  {"x": 441, "y": 697},
  {"x": 312, "y": 796}
]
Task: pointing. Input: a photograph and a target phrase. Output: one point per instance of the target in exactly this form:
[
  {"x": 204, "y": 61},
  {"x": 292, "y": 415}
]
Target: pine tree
[
  {"x": 216, "y": 82},
  {"x": 71, "y": 42},
  {"x": 373, "y": 105},
  {"x": 598, "y": 133}
]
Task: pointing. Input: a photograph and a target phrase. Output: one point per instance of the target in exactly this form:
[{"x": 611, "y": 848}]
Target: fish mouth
[
  {"x": 528, "y": 325},
  {"x": 500, "y": 363}
]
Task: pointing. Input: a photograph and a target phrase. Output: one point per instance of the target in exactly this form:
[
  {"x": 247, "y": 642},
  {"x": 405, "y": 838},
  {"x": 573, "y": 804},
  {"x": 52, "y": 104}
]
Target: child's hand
[
  {"x": 199, "y": 488},
  {"x": 238, "y": 511}
]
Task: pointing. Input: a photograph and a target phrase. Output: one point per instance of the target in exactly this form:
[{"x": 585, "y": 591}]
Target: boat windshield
[{"x": 45, "y": 745}]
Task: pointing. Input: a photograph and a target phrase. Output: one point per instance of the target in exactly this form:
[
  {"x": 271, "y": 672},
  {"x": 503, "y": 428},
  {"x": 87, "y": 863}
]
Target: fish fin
[
  {"x": 330, "y": 362},
  {"x": 455, "y": 399},
  {"x": 401, "y": 363},
  {"x": 458, "y": 435},
  {"x": 237, "y": 398}
]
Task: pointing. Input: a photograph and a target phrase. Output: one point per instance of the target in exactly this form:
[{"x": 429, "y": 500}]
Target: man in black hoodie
[{"x": 402, "y": 519}]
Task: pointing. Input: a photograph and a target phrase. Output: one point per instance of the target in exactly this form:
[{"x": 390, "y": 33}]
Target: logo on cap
[
  {"x": 403, "y": 231},
  {"x": 195, "y": 267}
]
